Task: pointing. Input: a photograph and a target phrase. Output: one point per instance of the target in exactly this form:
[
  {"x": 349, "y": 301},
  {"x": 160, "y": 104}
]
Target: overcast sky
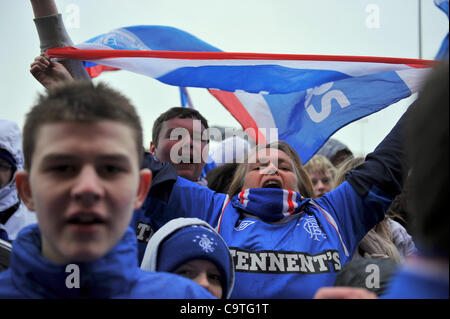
[{"x": 388, "y": 28}]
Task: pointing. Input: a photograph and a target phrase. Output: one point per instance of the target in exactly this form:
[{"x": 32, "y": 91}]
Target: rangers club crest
[
  {"x": 207, "y": 244},
  {"x": 312, "y": 228}
]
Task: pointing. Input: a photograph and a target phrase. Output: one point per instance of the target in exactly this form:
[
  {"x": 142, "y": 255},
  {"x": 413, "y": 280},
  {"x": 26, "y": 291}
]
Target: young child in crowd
[
  {"x": 191, "y": 248},
  {"x": 322, "y": 173}
]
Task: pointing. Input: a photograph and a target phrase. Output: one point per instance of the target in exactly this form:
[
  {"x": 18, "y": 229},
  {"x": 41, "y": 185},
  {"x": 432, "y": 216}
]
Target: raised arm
[
  {"x": 362, "y": 202},
  {"x": 42, "y": 8},
  {"x": 52, "y": 33},
  {"x": 385, "y": 166},
  {"x": 49, "y": 73}
]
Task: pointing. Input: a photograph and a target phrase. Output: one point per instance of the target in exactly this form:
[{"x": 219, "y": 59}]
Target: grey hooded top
[
  {"x": 11, "y": 141},
  {"x": 150, "y": 261}
]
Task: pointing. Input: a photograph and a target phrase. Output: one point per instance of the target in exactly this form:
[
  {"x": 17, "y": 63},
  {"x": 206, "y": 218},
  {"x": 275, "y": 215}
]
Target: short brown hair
[
  {"x": 304, "y": 182},
  {"x": 83, "y": 102},
  {"x": 175, "y": 112}
]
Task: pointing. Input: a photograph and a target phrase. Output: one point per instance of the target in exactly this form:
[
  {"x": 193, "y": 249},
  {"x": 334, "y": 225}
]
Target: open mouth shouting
[{"x": 272, "y": 183}]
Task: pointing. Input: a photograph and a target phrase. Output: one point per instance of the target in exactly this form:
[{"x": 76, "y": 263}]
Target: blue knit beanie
[{"x": 195, "y": 242}]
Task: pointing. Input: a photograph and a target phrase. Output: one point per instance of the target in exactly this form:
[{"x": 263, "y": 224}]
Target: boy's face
[
  {"x": 204, "y": 273},
  {"x": 322, "y": 182},
  {"x": 83, "y": 184},
  {"x": 185, "y": 144}
]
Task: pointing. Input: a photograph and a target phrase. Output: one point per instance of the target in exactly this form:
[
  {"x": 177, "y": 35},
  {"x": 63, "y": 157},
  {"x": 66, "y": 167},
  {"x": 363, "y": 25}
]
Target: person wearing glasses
[{"x": 13, "y": 213}]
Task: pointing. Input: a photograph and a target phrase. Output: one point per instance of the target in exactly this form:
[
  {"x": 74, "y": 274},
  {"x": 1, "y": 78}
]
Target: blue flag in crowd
[
  {"x": 306, "y": 98},
  {"x": 443, "y": 50}
]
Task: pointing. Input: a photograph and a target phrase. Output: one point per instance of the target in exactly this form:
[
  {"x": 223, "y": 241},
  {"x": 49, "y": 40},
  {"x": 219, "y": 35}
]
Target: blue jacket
[
  {"x": 413, "y": 284},
  {"x": 152, "y": 215},
  {"x": 116, "y": 275}
]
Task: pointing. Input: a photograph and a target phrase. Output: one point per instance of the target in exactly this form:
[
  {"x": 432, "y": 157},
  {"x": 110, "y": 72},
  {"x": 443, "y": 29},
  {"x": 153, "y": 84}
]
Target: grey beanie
[{"x": 331, "y": 147}]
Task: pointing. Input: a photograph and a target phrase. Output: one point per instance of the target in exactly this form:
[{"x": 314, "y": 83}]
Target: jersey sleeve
[
  {"x": 386, "y": 165},
  {"x": 355, "y": 215},
  {"x": 362, "y": 201},
  {"x": 189, "y": 199}
]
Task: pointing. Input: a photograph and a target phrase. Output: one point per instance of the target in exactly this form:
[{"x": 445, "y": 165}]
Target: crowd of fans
[{"x": 79, "y": 188}]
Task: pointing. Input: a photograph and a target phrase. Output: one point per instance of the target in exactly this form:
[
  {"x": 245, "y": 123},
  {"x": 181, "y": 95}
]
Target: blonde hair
[
  {"x": 345, "y": 167},
  {"x": 304, "y": 183},
  {"x": 378, "y": 242},
  {"x": 321, "y": 164}
]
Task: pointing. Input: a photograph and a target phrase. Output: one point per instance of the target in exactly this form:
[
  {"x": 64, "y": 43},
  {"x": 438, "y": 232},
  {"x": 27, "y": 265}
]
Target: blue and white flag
[
  {"x": 443, "y": 50},
  {"x": 305, "y": 98}
]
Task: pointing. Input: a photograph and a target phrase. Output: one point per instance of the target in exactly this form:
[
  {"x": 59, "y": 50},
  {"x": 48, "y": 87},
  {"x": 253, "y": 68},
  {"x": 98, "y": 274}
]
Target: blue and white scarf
[{"x": 269, "y": 204}]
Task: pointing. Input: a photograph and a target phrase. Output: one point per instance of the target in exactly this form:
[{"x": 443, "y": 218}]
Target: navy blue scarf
[{"x": 269, "y": 204}]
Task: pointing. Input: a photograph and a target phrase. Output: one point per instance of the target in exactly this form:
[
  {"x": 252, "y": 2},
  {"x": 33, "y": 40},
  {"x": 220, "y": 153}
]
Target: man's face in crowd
[
  {"x": 83, "y": 184},
  {"x": 185, "y": 150}
]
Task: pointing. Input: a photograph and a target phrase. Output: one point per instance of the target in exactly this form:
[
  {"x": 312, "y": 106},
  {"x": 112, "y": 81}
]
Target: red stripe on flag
[
  {"x": 98, "y": 69},
  {"x": 240, "y": 113},
  {"x": 77, "y": 54}
]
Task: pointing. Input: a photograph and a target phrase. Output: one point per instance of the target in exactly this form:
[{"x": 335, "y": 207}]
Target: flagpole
[{"x": 420, "y": 28}]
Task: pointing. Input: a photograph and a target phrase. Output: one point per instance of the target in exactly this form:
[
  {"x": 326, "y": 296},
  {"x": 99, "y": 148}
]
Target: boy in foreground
[{"x": 83, "y": 150}]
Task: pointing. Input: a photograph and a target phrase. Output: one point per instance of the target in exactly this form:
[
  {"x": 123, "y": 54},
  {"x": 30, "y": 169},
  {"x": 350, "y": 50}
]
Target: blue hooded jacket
[{"x": 116, "y": 275}]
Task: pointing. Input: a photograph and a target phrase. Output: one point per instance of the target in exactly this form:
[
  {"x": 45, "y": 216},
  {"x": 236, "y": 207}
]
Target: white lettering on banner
[{"x": 319, "y": 116}]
